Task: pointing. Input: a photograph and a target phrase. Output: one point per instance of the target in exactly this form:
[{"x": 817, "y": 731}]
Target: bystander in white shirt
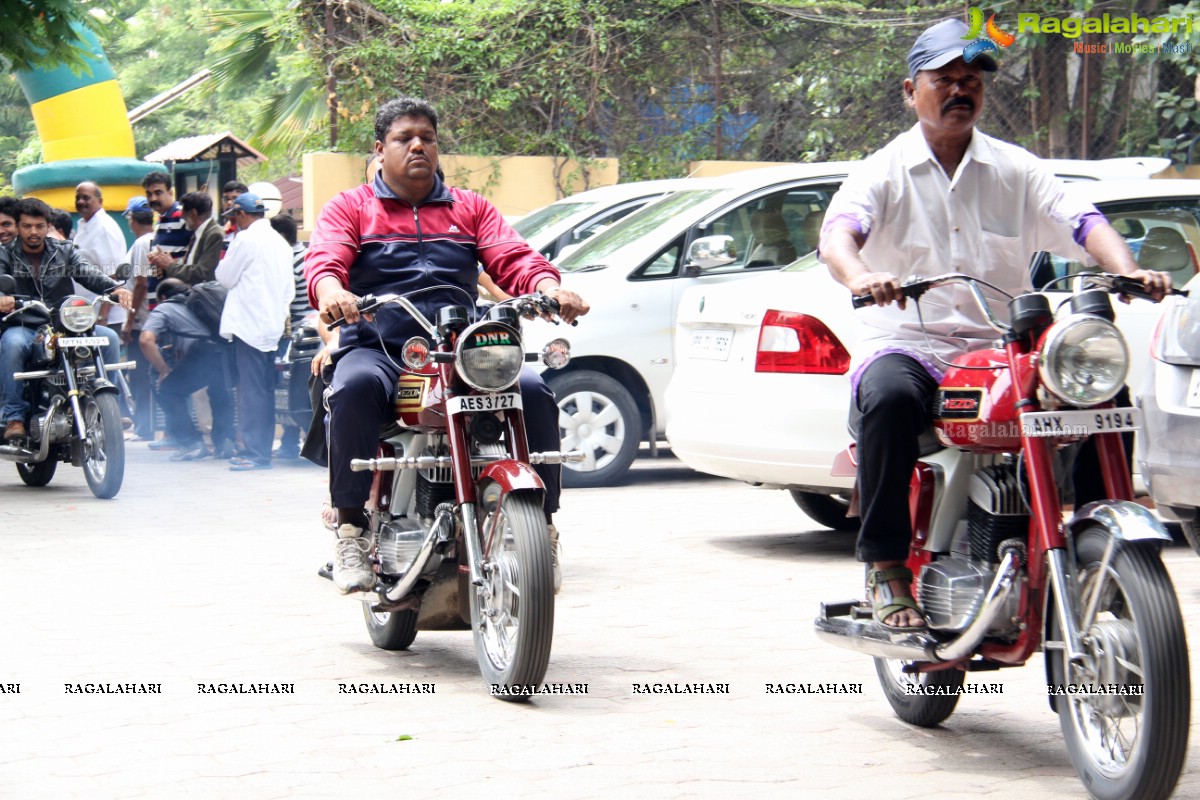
[
  {"x": 102, "y": 243},
  {"x": 257, "y": 270}
]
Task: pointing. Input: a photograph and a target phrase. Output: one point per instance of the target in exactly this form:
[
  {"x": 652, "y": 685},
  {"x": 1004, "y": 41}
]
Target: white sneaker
[
  {"x": 351, "y": 561},
  {"x": 555, "y": 557}
]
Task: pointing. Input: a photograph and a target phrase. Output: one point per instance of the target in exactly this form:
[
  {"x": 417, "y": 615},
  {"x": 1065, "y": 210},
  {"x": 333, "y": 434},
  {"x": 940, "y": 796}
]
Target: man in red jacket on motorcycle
[
  {"x": 408, "y": 232},
  {"x": 941, "y": 197}
]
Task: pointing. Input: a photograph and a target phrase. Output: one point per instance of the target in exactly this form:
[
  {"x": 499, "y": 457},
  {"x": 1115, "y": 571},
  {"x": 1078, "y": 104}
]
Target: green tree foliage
[{"x": 39, "y": 33}]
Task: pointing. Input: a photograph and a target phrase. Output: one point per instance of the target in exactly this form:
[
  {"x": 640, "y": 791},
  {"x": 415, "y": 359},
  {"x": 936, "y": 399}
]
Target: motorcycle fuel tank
[{"x": 975, "y": 404}]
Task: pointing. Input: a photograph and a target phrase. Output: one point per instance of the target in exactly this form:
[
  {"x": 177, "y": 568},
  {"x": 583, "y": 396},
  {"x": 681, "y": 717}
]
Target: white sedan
[{"x": 761, "y": 393}]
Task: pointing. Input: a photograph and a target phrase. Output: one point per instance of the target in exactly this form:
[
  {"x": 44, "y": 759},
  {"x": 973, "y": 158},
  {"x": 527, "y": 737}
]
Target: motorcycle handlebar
[{"x": 1114, "y": 284}]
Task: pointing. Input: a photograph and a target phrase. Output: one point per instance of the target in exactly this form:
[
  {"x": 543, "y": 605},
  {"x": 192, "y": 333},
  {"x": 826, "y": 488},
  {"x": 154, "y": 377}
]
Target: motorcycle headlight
[
  {"x": 1084, "y": 360},
  {"x": 489, "y": 356},
  {"x": 76, "y": 314}
]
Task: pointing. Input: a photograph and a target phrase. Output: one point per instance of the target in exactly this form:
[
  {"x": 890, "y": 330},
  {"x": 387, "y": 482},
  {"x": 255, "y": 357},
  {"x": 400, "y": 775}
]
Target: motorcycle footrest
[{"x": 846, "y": 608}]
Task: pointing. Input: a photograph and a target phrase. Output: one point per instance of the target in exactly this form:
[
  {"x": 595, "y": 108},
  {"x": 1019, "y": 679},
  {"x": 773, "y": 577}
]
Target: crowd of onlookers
[{"x": 212, "y": 299}]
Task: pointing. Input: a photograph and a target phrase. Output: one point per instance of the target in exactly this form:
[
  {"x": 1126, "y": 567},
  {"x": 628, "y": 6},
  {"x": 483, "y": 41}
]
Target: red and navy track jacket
[{"x": 375, "y": 243}]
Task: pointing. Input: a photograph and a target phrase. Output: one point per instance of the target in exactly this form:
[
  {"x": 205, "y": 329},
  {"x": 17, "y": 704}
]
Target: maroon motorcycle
[
  {"x": 998, "y": 573},
  {"x": 455, "y": 511}
]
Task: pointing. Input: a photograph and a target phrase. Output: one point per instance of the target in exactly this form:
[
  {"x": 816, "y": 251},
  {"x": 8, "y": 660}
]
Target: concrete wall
[{"x": 515, "y": 184}]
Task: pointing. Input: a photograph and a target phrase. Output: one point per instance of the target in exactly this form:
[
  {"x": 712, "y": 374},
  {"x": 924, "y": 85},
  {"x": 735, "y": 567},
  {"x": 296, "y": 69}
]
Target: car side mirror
[{"x": 710, "y": 252}]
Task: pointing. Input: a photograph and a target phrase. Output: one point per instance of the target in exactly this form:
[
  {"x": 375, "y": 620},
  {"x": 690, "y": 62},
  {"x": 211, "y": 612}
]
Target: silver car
[{"x": 1169, "y": 444}]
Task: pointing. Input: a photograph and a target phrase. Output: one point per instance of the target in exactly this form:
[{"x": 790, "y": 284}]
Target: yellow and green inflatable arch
[{"x": 85, "y": 132}]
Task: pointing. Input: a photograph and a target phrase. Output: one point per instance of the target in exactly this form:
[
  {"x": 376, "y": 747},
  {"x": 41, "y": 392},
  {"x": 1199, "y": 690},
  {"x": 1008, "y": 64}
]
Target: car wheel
[
  {"x": 826, "y": 509},
  {"x": 598, "y": 416}
]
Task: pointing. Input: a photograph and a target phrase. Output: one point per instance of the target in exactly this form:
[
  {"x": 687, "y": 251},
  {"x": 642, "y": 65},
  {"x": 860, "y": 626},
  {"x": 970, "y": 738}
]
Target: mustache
[{"x": 959, "y": 101}]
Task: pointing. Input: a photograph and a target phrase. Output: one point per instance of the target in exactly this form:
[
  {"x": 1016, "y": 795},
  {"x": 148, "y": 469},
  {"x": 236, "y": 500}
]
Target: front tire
[
  {"x": 390, "y": 630},
  {"x": 923, "y": 710},
  {"x": 1126, "y": 746},
  {"x": 512, "y": 614},
  {"x": 600, "y": 417},
  {"x": 826, "y": 509},
  {"x": 104, "y": 448}
]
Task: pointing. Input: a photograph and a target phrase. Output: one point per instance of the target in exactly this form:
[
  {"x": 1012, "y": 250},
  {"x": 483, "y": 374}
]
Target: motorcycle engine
[
  {"x": 397, "y": 543},
  {"x": 58, "y": 430},
  {"x": 952, "y": 588}
]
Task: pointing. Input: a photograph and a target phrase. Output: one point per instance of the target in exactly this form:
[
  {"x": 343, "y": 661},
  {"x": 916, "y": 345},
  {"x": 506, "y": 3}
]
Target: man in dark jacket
[
  {"x": 199, "y": 262},
  {"x": 43, "y": 268},
  {"x": 197, "y": 360}
]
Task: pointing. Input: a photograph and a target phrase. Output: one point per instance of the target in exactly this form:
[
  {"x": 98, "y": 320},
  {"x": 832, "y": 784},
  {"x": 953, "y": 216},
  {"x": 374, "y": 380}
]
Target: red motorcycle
[
  {"x": 455, "y": 511},
  {"x": 998, "y": 573}
]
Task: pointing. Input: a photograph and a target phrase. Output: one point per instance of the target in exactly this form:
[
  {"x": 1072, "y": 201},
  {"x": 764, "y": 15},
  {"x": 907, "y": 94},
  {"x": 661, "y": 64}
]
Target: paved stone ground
[{"x": 198, "y": 575}]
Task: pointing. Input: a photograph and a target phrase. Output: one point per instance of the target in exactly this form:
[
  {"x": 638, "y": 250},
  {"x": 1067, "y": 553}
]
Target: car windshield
[
  {"x": 592, "y": 253},
  {"x": 531, "y": 225}
]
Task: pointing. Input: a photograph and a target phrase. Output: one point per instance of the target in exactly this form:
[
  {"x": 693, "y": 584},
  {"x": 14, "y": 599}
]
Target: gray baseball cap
[{"x": 940, "y": 44}]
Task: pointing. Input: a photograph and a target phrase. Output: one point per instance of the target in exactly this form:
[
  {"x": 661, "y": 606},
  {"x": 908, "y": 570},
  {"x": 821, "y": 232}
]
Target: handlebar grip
[
  {"x": 862, "y": 301},
  {"x": 365, "y": 304}
]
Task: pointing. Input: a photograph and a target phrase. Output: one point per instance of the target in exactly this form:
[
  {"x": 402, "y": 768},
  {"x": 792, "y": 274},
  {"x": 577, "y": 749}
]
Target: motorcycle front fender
[
  {"x": 1124, "y": 520},
  {"x": 102, "y": 387},
  {"x": 504, "y": 477}
]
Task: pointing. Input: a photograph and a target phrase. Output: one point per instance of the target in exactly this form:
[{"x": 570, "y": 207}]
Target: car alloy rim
[{"x": 591, "y": 422}]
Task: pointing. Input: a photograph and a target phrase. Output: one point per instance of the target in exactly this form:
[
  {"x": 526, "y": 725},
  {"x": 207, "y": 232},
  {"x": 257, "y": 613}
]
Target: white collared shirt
[
  {"x": 1000, "y": 208},
  {"x": 102, "y": 244},
  {"x": 257, "y": 270}
]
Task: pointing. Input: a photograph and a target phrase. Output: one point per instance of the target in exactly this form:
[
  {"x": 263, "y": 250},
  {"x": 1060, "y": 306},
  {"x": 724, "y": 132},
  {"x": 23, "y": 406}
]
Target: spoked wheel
[
  {"x": 390, "y": 630},
  {"x": 104, "y": 448},
  {"x": 919, "y": 698},
  {"x": 37, "y": 474},
  {"x": 1125, "y": 745},
  {"x": 512, "y": 614}
]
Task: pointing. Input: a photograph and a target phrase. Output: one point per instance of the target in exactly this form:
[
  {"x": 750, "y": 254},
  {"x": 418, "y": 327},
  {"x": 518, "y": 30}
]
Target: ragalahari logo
[{"x": 982, "y": 44}]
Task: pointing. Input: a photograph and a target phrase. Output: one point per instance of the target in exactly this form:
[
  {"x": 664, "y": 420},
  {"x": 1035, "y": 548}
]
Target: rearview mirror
[
  {"x": 123, "y": 272},
  {"x": 8, "y": 284},
  {"x": 709, "y": 252}
]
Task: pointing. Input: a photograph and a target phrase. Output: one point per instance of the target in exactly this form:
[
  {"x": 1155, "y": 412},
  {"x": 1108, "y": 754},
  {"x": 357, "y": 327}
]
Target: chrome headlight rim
[
  {"x": 1066, "y": 333},
  {"x": 496, "y": 336},
  {"x": 74, "y": 311}
]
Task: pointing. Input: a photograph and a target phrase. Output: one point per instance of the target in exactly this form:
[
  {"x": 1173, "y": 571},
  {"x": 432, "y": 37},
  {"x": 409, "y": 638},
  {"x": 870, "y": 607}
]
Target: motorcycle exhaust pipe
[
  {"x": 433, "y": 536},
  {"x": 836, "y": 626}
]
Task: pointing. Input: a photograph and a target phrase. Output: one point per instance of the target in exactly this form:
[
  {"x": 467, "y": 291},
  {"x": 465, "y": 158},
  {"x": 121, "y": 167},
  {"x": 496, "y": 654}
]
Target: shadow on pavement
[{"x": 794, "y": 546}]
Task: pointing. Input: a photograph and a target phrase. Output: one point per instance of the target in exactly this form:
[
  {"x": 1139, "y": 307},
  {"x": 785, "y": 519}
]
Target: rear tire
[
  {"x": 1126, "y": 746},
  {"x": 923, "y": 710},
  {"x": 600, "y": 417},
  {"x": 390, "y": 630},
  {"x": 826, "y": 509},
  {"x": 104, "y": 449},
  {"x": 37, "y": 474}
]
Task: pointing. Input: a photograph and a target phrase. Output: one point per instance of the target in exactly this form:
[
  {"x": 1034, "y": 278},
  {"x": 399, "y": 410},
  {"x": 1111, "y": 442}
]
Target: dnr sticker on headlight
[{"x": 491, "y": 339}]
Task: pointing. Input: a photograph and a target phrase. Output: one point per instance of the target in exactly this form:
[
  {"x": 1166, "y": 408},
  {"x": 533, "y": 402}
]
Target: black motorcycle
[{"x": 74, "y": 413}]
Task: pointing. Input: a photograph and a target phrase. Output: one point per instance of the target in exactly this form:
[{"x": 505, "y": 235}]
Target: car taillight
[{"x": 791, "y": 342}]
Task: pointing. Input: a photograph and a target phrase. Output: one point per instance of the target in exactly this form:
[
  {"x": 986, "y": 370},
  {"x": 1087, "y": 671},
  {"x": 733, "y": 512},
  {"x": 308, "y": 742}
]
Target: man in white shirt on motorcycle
[{"x": 940, "y": 197}]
